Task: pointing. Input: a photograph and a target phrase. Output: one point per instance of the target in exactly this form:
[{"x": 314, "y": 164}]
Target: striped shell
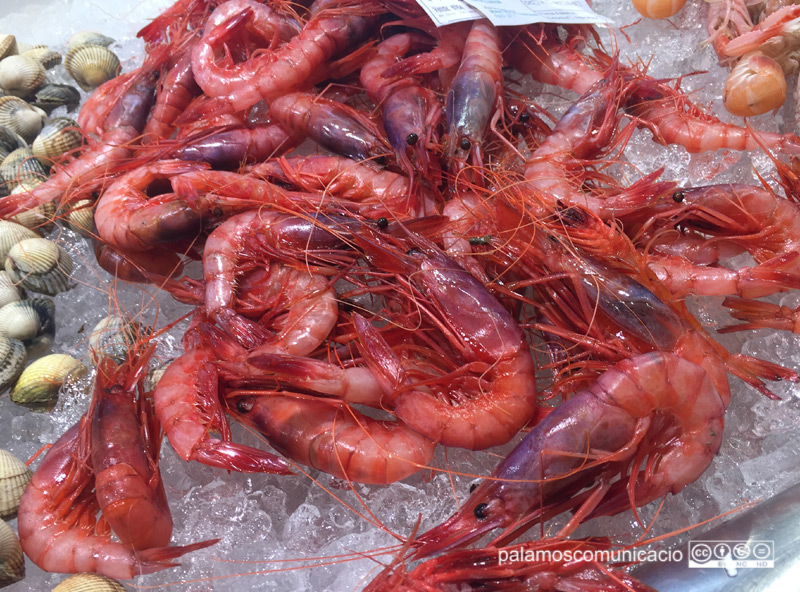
[
  {"x": 8, "y": 46},
  {"x": 10, "y": 141},
  {"x": 59, "y": 136},
  {"x": 89, "y": 38},
  {"x": 32, "y": 321},
  {"x": 42, "y": 217},
  {"x": 21, "y": 118},
  {"x": 9, "y": 292},
  {"x": 91, "y": 65},
  {"x": 21, "y": 75},
  {"x": 14, "y": 476},
  {"x": 40, "y": 265},
  {"x": 12, "y": 562},
  {"x": 22, "y": 166},
  {"x": 50, "y": 96},
  {"x": 10, "y": 234},
  {"x": 87, "y": 582},
  {"x": 40, "y": 382},
  {"x": 80, "y": 217},
  {"x": 12, "y": 360},
  {"x": 113, "y": 336},
  {"x": 48, "y": 58}
]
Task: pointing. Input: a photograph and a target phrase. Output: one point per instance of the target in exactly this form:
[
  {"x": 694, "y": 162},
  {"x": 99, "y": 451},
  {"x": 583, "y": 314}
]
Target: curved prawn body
[
  {"x": 374, "y": 192},
  {"x": 328, "y": 34},
  {"x": 775, "y": 36},
  {"x": 332, "y": 125},
  {"x": 493, "y": 395},
  {"x": 409, "y": 111},
  {"x": 125, "y": 448},
  {"x": 176, "y": 91},
  {"x": 188, "y": 408},
  {"x": 126, "y": 218},
  {"x": 475, "y": 93},
  {"x": 594, "y": 435}
]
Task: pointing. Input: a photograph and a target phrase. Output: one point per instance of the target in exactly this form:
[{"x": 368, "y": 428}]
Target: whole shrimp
[
  {"x": 332, "y": 30},
  {"x": 57, "y": 521}
]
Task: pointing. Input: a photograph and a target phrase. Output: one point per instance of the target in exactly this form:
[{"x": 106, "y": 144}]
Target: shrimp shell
[
  {"x": 12, "y": 561},
  {"x": 14, "y": 476},
  {"x": 40, "y": 265}
]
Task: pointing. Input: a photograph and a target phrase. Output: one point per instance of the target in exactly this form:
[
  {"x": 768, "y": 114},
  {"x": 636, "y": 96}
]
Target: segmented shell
[
  {"x": 21, "y": 75},
  {"x": 9, "y": 141},
  {"x": 91, "y": 65},
  {"x": 42, "y": 217},
  {"x": 50, "y": 96},
  {"x": 21, "y": 118},
  {"x": 31, "y": 321},
  {"x": 40, "y": 265},
  {"x": 80, "y": 217},
  {"x": 12, "y": 360},
  {"x": 8, "y": 46},
  {"x": 113, "y": 336},
  {"x": 12, "y": 562},
  {"x": 48, "y": 58},
  {"x": 9, "y": 292},
  {"x": 10, "y": 234},
  {"x": 14, "y": 476},
  {"x": 59, "y": 136},
  {"x": 22, "y": 166},
  {"x": 40, "y": 382},
  {"x": 89, "y": 38}
]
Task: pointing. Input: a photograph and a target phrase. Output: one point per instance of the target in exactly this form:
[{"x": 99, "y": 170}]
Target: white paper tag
[{"x": 511, "y": 12}]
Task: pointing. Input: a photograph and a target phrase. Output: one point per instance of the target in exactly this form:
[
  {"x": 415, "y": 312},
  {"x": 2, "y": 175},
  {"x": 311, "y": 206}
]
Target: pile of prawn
[{"x": 443, "y": 263}]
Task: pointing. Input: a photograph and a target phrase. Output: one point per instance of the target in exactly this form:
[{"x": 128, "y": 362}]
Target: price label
[{"x": 511, "y": 12}]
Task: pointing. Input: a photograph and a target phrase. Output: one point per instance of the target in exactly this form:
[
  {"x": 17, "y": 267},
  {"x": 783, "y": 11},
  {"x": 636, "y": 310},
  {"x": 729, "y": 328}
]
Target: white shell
[
  {"x": 59, "y": 136},
  {"x": 40, "y": 265},
  {"x": 12, "y": 562},
  {"x": 21, "y": 118},
  {"x": 8, "y": 46},
  {"x": 80, "y": 217},
  {"x": 48, "y": 58},
  {"x": 12, "y": 360},
  {"x": 42, "y": 217},
  {"x": 40, "y": 382},
  {"x": 87, "y": 582},
  {"x": 91, "y": 65},
  {"x": 9, "y": 292},
  {"x": 113, "y": 336},
  {"x": 21, "y": 166},
  {"x": 10, "y": 234},
  {"x": 29, "y": 320},
  {"x": 21, "y": 75},
  {"x": 14, "y": 476},
  {"x": 89, "y": 38}
]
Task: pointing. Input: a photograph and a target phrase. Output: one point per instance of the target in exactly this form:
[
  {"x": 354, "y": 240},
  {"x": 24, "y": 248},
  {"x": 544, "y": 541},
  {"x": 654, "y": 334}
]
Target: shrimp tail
[
  {"x": 153, "y": 560},
  {"x": 759, "y": 315}
]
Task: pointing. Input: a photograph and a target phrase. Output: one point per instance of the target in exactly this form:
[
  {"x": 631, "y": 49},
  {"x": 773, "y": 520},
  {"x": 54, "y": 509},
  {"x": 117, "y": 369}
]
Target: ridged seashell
[
  {"x": 32, "y": 321},
  {"x": 9, "y": 292},
  {"x": 12, "y": 360},
  {"x": 89, "y": 38},
  {"x": 113, "y": 336},
  {"x": 48, "y": 58},
  {"x": 10, "y": 141},
  {"x": 91, "y": 65},
  {"x": 50, "y": 96},
  {"x": 8, "y": 46},
  {"x": 41, "y": 218},
  {"x": 22, "y": 166},
  {"x": 40, "y": 265},
  {"x": 12, "y": 562},
  {"x": 40, "y": 382},
  {"x": 14, "y": 476},
  {"x": 87, "y": 582},
  {"x": 80, "y": 217},
  {"x": 10, "y": 234},
  {"x": 21, "y": 75},
  {"x": 21, "y": 118},
  {"x": 59, "y": 136}
]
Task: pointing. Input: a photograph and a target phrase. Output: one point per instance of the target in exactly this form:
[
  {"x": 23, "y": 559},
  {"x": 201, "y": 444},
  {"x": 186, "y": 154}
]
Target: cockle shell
[
  {"x": 22, "y": 166},
  {"x": 42, "y": 217},
  {"x": 32, "y": 321},
  {"x": 12, "y": 562},
  {"x": 40, "y": 382},
  {"x": 50, "y": 96},
  {"x": 80, "y": 217},
  {"x": 40, "y": 265},
  {"x": 113, "y": 336},
  {"x": 89, "y": 38},
  {"x": 10, "y": 234},
  {"x": 21, "y": 75},
  {"x": 9, "y": 292},
  {"x": 48, "y": 58},
  {"x": 14, "y": 476},
  {"x": 59, "y": 136},
  {"x": 87, "y": 582},
  {"x": 10, "y": 141},
  {"x": 91, "y": 65},
  {"x": 8, "y": 46},
  {"x": 21, "y": 118},
  {"x": 12, "y": 360}
]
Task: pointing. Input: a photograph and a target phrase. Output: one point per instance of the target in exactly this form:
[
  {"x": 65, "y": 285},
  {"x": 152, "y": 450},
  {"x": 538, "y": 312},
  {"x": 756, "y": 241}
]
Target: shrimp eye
[
  {"x": 382, "y": 222},
  {"x": 465, "y": 144},
  {"x": 244, "y": 405},
  {"x": 678, "y": 196},
  {"x": 524, "y": 117},
  {"x": 480, "y": 511},
  {"x": 473, "y": 487},
  {"x": 411, "y": 139},
  {"x": 414, "y": 251}
]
